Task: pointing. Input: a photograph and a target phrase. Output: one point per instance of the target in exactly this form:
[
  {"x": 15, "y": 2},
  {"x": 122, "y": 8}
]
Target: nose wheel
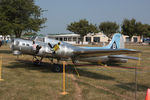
[
  {"x": 57, "y": 68},
  {"x": 37, "y": 61}
]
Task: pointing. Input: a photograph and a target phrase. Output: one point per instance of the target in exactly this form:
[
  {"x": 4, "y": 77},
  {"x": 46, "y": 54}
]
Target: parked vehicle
[{"x": 147, "y": 40}]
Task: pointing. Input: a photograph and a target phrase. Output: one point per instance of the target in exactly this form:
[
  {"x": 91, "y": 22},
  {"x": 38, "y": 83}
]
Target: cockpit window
[
  {"x": 37, "y": 38},
  {"x": 33, "y": 38},
  {"x": 40, "y": 39}
]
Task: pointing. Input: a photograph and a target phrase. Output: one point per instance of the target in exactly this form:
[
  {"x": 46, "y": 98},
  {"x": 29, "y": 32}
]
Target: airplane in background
[{"x": 45, "y": 49}]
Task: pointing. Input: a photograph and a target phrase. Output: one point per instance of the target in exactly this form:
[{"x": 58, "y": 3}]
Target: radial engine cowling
[{"x": 16, "y": 52}]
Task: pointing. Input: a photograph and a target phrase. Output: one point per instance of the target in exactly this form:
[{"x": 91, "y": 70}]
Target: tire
[
  {"x": 37, "y": 62},
  {"x": 57, "y": 68}
]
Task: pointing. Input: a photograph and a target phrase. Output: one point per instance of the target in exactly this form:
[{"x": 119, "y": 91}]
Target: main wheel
[
  {"x": 57, "y": 68},
  {"x": 37, "y": 62}
]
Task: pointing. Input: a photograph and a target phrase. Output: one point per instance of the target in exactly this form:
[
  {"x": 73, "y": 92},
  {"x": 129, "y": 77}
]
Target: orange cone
[{"x": 147, "y": 95}]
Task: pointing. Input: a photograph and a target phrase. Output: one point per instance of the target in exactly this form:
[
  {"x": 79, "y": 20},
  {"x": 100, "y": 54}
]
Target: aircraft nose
[{"x": 12, "y": 44}]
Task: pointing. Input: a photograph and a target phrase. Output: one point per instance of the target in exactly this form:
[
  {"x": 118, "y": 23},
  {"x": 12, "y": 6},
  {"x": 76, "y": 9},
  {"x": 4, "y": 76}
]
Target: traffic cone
[{"x": 147, "y": 95}]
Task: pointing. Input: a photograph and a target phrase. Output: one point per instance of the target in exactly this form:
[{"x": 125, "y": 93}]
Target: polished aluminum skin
[{"x": 68, "y": 51}]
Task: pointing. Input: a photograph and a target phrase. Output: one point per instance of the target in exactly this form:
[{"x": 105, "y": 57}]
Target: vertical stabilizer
[{"x": 117, "y": 42}]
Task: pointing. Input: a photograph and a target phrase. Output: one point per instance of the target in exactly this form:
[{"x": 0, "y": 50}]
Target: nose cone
[{"x": 11, "y": 45}]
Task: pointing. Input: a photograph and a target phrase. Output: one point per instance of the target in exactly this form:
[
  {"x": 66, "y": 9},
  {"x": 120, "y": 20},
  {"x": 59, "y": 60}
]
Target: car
[{"x": 147, "y": 40}]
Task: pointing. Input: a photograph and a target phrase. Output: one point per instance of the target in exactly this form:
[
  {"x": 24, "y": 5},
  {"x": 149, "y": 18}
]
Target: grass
[{"x": 24, "y": 81}]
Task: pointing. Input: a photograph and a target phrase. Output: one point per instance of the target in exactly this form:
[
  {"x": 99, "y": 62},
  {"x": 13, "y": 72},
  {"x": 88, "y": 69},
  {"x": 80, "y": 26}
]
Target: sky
[{"x": 60, "y": 13}]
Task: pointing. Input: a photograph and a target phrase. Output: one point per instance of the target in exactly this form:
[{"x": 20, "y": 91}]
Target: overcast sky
[{"x": 60, "y": 13}]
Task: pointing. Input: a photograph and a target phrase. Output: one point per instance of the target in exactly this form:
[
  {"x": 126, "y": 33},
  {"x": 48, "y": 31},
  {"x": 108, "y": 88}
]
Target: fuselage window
[
  {"x": 23, "y": 43},
  {"x": 27, "y": 45}
]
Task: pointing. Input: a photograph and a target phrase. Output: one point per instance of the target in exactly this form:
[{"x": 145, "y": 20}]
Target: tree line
[
  {"x": 20, "y": 16},
  {"x": 23, "y": 16},
  {"x": 128, "y": 27}
]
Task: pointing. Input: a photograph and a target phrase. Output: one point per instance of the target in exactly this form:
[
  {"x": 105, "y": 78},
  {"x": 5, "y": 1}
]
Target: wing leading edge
[{"x": 123, "y": 57}]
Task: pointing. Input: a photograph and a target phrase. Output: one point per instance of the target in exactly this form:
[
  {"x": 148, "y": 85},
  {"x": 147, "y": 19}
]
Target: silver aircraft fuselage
[
  {"x": 26, "y": 47},
  {"x": 66, "y": 51}
]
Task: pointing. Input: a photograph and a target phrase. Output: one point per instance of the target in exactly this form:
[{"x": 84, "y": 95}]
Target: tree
[
  {"x": 93, "y": 28},
  {"x": 82, "y": 27},
  {"x": 130, "y": 27},
  {"x": 109, "y": 28},
  {"x": 20, "y": 16},
  {"x": 5, "y": 27},
  {"x": 146, "y": 30},
  {"x": 30, "y": 34}
]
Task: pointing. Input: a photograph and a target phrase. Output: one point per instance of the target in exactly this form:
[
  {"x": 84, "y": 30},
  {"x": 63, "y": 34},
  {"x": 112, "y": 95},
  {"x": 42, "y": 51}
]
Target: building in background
[
  {"x": 95, "y": 38},
  {"x": 68, "y": 37},
  {"x": 91, "y": 38},
  {"x": 134, "y": 39}
]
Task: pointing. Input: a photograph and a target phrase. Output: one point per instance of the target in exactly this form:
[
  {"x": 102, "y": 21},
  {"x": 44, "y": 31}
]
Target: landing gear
[
  {"x": 57, "y": 68},
  {"x": 51, "y": 60},
  {"x": 37, "y": 61}
]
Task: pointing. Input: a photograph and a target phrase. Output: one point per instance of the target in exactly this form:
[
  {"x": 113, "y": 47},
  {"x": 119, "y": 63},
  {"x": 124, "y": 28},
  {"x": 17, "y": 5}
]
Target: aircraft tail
[{"x": 117, "y": 42}]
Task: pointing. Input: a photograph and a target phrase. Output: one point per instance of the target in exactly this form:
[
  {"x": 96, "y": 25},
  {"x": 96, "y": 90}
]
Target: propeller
[{"x": 11, "y": 43}]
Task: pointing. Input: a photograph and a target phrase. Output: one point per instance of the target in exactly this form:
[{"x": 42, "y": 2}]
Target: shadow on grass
[
  {"x": 5, "y": 51},
  {"x": 131, "y": 87},
  {"x": 96, "y": 64},
  {"x": 113, "y": 65},
  {"x": 44, "y": 67},
  {"x": 120, "y": 65},
  {"x": 47, "y": 67},
  {"x": 90, "y": 74}
]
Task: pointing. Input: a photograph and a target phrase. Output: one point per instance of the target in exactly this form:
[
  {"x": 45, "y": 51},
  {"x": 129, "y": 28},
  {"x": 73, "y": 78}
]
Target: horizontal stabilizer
[
  {"x": 103, "y": 52},
  {"x": 124, "y": 57}
]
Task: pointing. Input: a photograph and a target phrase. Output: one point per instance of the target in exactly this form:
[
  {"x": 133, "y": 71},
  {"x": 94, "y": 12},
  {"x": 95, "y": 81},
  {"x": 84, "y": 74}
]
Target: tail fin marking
[{"x": 117, "y": 42}]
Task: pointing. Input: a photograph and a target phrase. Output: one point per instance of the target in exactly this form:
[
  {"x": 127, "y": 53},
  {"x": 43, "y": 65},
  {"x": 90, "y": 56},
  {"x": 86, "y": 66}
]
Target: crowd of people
[{"x": 2, "y": 42}]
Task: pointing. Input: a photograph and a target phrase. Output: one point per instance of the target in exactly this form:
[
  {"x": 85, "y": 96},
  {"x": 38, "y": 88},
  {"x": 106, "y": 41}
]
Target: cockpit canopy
[{"x": 38, "y": 39}]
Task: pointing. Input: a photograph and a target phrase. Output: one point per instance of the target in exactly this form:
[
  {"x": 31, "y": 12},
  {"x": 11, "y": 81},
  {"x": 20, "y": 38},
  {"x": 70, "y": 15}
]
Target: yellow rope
[{"x": 76, "y": 71}]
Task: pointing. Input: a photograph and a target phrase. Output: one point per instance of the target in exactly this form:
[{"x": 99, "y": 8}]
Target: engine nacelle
[
  {"x": 75, "y": 61},
  {"x": 16, "y": 52}
]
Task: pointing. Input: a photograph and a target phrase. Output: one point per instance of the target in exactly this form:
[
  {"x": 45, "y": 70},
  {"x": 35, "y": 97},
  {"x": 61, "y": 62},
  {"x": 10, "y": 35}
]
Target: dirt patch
[{"x": 78, "y": 89}]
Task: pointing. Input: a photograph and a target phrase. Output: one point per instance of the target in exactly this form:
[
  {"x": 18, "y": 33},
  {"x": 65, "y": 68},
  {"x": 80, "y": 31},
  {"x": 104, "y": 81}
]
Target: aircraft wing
[
  {"x": 102, "y": 52},
  {"x": 123, "y": 57}
]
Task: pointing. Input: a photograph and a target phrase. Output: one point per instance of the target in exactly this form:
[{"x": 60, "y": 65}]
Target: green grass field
[{"x": 24, "y": 81}]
